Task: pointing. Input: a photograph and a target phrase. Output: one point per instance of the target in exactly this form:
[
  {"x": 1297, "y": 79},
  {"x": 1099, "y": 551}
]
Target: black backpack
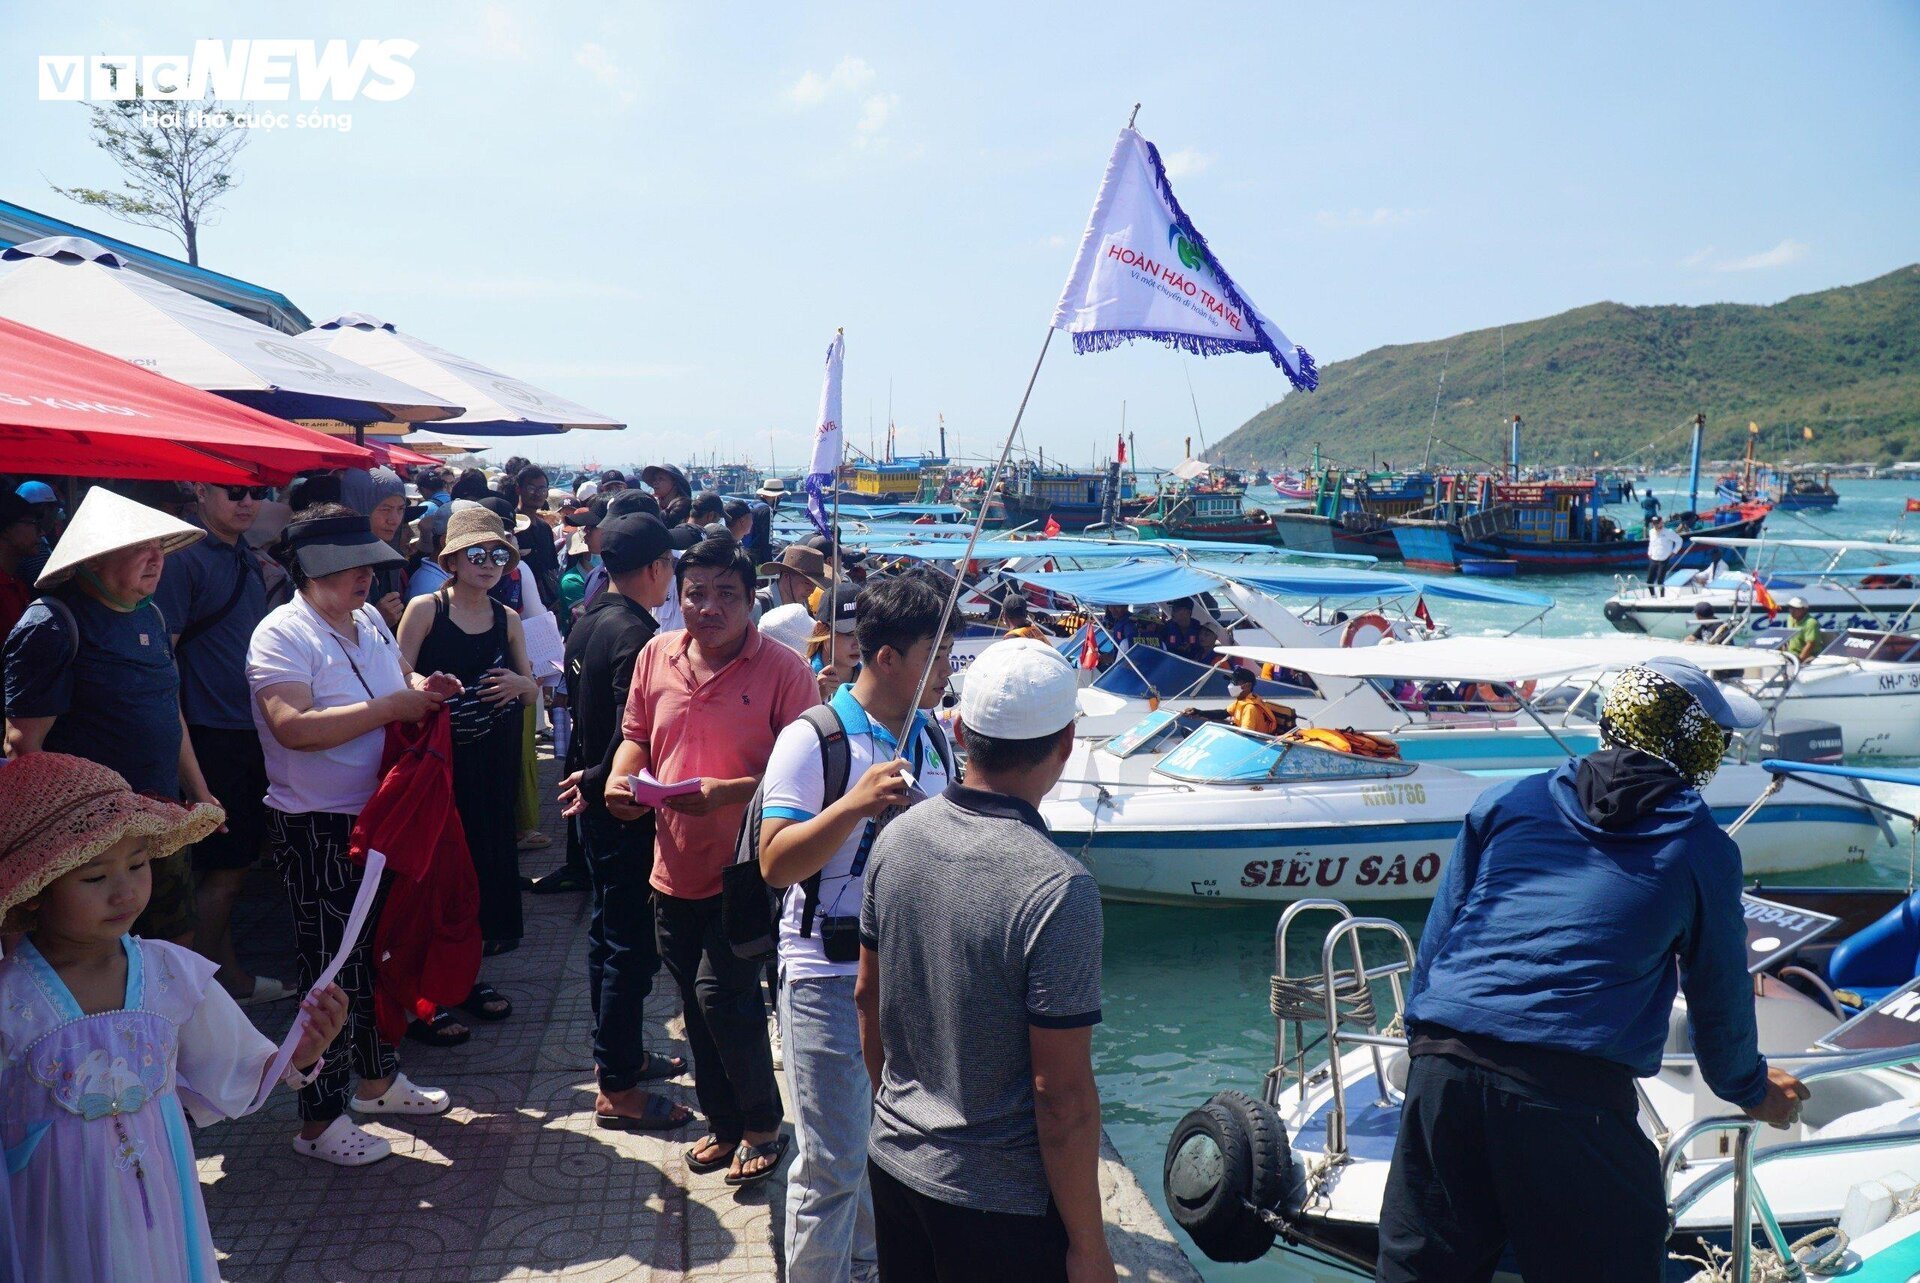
[{"x": 749, "y": 908}]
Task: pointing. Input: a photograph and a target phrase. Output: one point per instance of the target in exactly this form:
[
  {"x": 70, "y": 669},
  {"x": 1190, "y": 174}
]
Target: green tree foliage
[
  {"x": 176, "y": 158},
  {"x": 1844, "y": 362}
]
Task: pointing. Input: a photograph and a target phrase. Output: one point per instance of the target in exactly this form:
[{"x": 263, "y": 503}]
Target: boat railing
[
  {"x": 1338, "y": 996},
  {"x": 1749, "y": 1199}
]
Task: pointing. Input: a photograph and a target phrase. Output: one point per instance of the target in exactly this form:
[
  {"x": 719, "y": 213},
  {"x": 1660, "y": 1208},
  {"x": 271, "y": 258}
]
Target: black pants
[
  {"x": 726, "y": 1018},
  {"x": 309, "y": 851},
  {"x": 622, "y": 955},
  {"x": 923, "y": 1240},
  {"x": 1483, "y": 1162},
  {"x": 236, "y": 773},
  {"x": 1657, "y": 576}
]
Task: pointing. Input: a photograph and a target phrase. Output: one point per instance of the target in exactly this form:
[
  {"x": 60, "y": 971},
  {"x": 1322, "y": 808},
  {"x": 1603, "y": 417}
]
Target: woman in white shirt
[{"x": 326, "y": 677}]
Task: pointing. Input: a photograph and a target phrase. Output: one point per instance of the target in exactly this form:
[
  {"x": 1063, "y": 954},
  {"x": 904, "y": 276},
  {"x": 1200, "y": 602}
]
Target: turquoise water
[{"x": 1185, "y": 989}]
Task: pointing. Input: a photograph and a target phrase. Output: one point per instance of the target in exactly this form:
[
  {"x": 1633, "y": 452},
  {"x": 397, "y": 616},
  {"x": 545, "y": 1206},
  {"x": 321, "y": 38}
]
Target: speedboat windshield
[{"x": 1218, "y": 754}]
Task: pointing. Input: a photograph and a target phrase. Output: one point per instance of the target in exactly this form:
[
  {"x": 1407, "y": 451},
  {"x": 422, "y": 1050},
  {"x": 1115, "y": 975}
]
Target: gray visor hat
[{"x": 329, "y": 545}]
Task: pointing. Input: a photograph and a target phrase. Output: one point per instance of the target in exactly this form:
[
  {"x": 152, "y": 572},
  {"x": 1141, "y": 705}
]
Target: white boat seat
[{"x": 1397, "y": 1062}]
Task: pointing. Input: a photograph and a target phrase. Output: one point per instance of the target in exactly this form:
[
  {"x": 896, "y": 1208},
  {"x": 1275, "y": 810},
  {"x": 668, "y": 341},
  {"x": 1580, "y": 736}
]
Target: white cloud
[
  {"x": 1381, "y": 217},
  {"x": 1699, "y": 258},
  {"x": 1185, "y": 163},
  {"x": 599, "y": 64},
  {"x": 1056, "y": 241},
  {"x": 1787, "y": 251},
  {"x": 497, "y": 33},
  {"x": 849, "y": 76},
  {"x": 874, "y": 114}
]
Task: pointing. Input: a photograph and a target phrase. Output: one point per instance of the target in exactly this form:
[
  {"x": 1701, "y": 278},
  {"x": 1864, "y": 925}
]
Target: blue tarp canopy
[
  {"x": 1008, "y": 549},
  {"x": 1876, "y": 774},
  {"x": 1140, "y": 583}
]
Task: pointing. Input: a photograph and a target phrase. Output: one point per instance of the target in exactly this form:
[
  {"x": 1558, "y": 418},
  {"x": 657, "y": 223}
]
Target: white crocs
[
  {"x": 343, "y": 1145},
  {"x": 405, "y": 1098}
]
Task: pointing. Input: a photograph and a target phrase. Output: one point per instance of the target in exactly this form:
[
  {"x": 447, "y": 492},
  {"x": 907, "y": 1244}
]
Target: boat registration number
[{"x": 1393, "y": 794}]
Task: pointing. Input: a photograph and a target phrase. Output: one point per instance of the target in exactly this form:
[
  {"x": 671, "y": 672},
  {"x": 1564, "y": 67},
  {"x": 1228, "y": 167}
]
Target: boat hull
[
  {"x": 1837, "y": 610},
  {"x": 1440, "y": 546}
]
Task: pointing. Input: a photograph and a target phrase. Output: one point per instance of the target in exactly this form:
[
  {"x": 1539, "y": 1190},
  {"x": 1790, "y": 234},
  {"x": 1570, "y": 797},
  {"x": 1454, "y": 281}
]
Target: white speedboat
[
  {"x": 1303, "y": 1160},
  {"x": 1838, "y": 594}
]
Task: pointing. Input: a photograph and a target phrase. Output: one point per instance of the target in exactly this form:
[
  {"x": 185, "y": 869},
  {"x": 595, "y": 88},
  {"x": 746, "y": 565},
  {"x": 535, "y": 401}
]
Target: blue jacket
[{"x": 1549, "y": 931}]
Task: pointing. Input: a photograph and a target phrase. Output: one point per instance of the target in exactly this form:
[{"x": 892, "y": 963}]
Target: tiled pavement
[{"x": 514, "y": 1183}]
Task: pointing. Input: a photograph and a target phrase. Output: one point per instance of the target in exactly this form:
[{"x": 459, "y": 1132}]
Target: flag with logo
[
  {"x": 1913, "y": 505},
  {"x": 1052, "y": 527},
  {"x": 1765, "y": 601},
  {"x": 1121, "y": 450},
  {"x": 823, "y": 472},
  {"x": 1144, "y": 272},
  {"x": 1421, "y": 613},
  {"x": 1089, "y": 648}
]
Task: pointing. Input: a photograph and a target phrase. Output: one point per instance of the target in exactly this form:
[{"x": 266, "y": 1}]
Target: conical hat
[{"x": 106, "y": 523}]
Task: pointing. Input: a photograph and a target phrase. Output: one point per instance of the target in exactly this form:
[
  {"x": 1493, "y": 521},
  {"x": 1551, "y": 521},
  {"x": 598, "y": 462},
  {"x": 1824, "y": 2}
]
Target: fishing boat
[
  {"x": 740, "y": 479},
  {"x": 1350, "y": 513},
  {"x": 1071, "y": 498},
  {"x": 1173, "y": 812},
  {"x": 1840, "y": 591},
  {"x": 1197, "y": 503},
  {"x": 1302, "y": 1161},
  {"x": 889, "y": 483}
]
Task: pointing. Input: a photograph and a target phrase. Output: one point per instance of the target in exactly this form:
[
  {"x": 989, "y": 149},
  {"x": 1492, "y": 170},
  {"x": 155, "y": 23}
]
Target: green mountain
[{"x": 1623, "y": 382}]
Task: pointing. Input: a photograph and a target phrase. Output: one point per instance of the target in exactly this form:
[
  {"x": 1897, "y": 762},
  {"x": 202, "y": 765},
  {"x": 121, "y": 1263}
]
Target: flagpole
[
  {"x": 834, "y": 562},
  {"x": 973, "y": 538}
]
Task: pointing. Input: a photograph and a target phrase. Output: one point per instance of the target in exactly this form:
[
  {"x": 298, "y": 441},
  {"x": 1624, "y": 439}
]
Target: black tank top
[{"x": 448, "y": 648}]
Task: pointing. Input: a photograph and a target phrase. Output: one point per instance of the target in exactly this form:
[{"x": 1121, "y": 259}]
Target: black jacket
[{"x": 599, "y": 667}]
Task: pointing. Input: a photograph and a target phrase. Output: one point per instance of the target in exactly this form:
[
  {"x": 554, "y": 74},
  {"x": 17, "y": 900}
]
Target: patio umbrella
[
  {"x": 72, "y": 287},
  {"x": 70, "y": 410},
  {"x": 496, "y": 404},
  {"x": 395, "y": 455},
  {"x": 444, "y": 446}
]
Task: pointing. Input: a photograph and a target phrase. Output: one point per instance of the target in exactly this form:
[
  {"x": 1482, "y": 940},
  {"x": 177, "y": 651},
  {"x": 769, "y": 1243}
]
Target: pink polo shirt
[{"x": 723, "y": 728}]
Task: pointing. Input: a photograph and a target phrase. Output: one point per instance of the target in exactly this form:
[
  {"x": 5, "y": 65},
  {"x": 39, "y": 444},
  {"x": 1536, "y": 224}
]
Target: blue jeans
[{"x": 829, "y": 1207}]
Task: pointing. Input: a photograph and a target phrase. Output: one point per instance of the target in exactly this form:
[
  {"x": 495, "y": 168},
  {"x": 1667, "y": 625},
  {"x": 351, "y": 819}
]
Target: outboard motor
[{"x": 1801, "y": 739}]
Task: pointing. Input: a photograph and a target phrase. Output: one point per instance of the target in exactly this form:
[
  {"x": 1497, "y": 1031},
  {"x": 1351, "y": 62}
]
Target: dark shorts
[{"x": 236, "y": 772}]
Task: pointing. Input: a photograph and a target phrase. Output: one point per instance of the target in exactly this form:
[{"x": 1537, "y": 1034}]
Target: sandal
[
  {"x": 404, "y": 1098},
  {"x": 344, "y": 1145},
  {"x": 441, "y": 1031},
  {"x": 485, "y": 1002},
  {"x": 701, "y": 1166},
  {"x": 656, "y": 1067},
  {"x": 265, "y": 989},
  {"x": 533, "y": 840},
  {"x": 658, "y": 1115},
  {"x": 773, "y": 1150}
]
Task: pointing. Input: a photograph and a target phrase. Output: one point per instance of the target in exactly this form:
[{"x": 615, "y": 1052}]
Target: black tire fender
[{"x": 1228, "y": 1153}]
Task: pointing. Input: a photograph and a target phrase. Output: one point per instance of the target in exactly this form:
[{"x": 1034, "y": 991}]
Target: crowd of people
[{"x": 204, "y": 679}]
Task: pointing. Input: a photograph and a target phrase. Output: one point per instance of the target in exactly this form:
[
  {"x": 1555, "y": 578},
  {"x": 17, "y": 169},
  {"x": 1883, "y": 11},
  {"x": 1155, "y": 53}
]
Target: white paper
[
  {"x": 650, "y": 791},
  {"x": 546, "y": 652},
  {"x": 356, "y": 920}
]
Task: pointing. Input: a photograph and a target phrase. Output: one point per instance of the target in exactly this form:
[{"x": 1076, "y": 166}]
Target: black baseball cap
[
  {"x": 631, "y": 541},
  {"x": 613, "y": 474},
  {"x": 601, "y": 507},
  {"x": 839, "y": 611}
]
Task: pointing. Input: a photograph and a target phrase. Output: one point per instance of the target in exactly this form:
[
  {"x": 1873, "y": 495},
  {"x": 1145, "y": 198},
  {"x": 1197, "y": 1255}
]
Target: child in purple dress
[{"x": 109, "y": 1042}]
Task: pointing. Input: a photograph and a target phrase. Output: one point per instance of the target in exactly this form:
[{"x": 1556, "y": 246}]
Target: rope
[
  {"x": 1822, "y": 1252},
  {"x": 1306, "y": 1000}
]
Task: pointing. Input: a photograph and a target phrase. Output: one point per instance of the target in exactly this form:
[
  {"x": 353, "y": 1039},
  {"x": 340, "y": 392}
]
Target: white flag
[
  {"x": 823, "y": 472},
  {"x": 1143, "y": 272}
]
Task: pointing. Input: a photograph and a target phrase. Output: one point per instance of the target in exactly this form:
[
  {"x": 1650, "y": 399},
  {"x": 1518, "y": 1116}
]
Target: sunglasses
[
  {"x": 237, "y": 493},
  {"x": 477, "y": 556}
]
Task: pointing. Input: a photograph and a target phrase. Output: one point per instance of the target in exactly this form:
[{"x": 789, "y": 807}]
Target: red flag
[
  {"x": 1089, "y": 649},
  {"x": 1765, "y": 600},
  {"x": 1913, "y": 505},
  {"x": 1052, "y": 527},
  {"x": 1122, "y": 456},
  {"x": 1421, "y": 613}
]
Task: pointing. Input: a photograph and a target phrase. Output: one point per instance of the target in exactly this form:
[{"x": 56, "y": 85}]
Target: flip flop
[
  {"x": 344, "y": 1145},
  {"x": 435, "y": 1033},
  {"x": 265, "y": 989},
  {"x": 658, "y": 1067},
  {"x": 484, "y": 1002},
  {"x": 659, "y": 1115},
  {"x": 775, "y": 1149},
  {"x": 703, "y": 1166},
  {"x": 404, "y": 1098}
]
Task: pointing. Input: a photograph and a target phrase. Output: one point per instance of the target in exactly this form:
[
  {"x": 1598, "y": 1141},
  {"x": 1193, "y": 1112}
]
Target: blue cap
[
  {"x": 1731, "y": 709},
  {"x": 37, "y": 492}
]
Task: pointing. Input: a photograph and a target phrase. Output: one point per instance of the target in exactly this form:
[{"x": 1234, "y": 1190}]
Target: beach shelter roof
[
  {"x": 72, "y": 287},
  {"x": 496, "y": 404},
  {"x": 71, "y": 410}
]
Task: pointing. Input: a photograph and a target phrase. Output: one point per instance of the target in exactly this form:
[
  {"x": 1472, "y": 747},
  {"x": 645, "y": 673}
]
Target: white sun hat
[
  {"x": 108, "y": 522},
  {"x": 790, "y": 625},
  {"x": 1019, "y": 689}
]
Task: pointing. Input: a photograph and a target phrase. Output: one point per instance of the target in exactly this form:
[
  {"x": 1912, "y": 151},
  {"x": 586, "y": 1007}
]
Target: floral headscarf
[{"x": 1651, "y": 713}]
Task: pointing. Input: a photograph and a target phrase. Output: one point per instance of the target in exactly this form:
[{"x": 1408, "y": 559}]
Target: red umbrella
[
  {"x": 395, "y": 455},
  {"x": 68, "y": 410}
]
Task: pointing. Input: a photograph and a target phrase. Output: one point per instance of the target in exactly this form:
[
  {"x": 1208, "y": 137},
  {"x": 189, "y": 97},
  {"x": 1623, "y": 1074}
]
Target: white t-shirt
[
  {"x": 1662, "y": 544},
  {"x": 294, "y": 644},
  {"x": 795, "y": 790}
]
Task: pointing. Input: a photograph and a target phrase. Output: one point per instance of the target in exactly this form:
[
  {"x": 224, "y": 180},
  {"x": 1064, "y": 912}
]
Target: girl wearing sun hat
[{"x": 108, "y": 1042}]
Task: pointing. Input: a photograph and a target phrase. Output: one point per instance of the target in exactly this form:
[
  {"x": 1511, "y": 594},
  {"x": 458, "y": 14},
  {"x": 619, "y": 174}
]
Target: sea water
[{"x": 1185, "y": 1000}]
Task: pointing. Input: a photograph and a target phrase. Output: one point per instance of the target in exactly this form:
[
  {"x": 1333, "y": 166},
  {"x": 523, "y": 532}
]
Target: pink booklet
[{"x": 650, "y": 791}]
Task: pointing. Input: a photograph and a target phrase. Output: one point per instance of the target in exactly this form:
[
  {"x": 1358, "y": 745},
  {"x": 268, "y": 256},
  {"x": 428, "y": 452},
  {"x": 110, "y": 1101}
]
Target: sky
[{"x": 663, "y": 211}]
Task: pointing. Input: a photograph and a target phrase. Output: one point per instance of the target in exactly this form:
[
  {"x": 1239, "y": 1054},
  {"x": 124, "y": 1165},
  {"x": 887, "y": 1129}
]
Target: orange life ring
[{"x": 1358, "y": 628}]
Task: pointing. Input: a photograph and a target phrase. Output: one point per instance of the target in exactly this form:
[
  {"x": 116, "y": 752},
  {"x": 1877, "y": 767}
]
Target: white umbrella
[
  {"x": 72, "y": 287},
  {"x": 497, "y": 404}
]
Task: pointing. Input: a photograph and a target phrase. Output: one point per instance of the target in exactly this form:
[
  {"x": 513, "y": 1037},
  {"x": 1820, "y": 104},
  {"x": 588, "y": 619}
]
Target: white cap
[
  {"x": 1019, "y": 689},
  {"x": 586, "y": 491},
  {"x": 790, "y": 625}
]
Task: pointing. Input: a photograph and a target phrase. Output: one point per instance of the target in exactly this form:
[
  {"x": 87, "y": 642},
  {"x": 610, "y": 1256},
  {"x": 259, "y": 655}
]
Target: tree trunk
[{"x": 192, "y": 230}]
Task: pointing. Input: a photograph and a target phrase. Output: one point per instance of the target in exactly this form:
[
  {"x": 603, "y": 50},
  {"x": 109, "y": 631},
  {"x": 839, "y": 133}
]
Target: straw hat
[
  {"x": 58, "y": 812},
  {"x": 774, "y": 489},
  {"x": 106, "y": 523},
  {"x": 471, "y": 528}
]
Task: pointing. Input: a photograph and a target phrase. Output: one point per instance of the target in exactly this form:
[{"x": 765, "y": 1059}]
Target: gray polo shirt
[
  {"x": 195, "y": 583},
  {"x": 983, "y": 928}
]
